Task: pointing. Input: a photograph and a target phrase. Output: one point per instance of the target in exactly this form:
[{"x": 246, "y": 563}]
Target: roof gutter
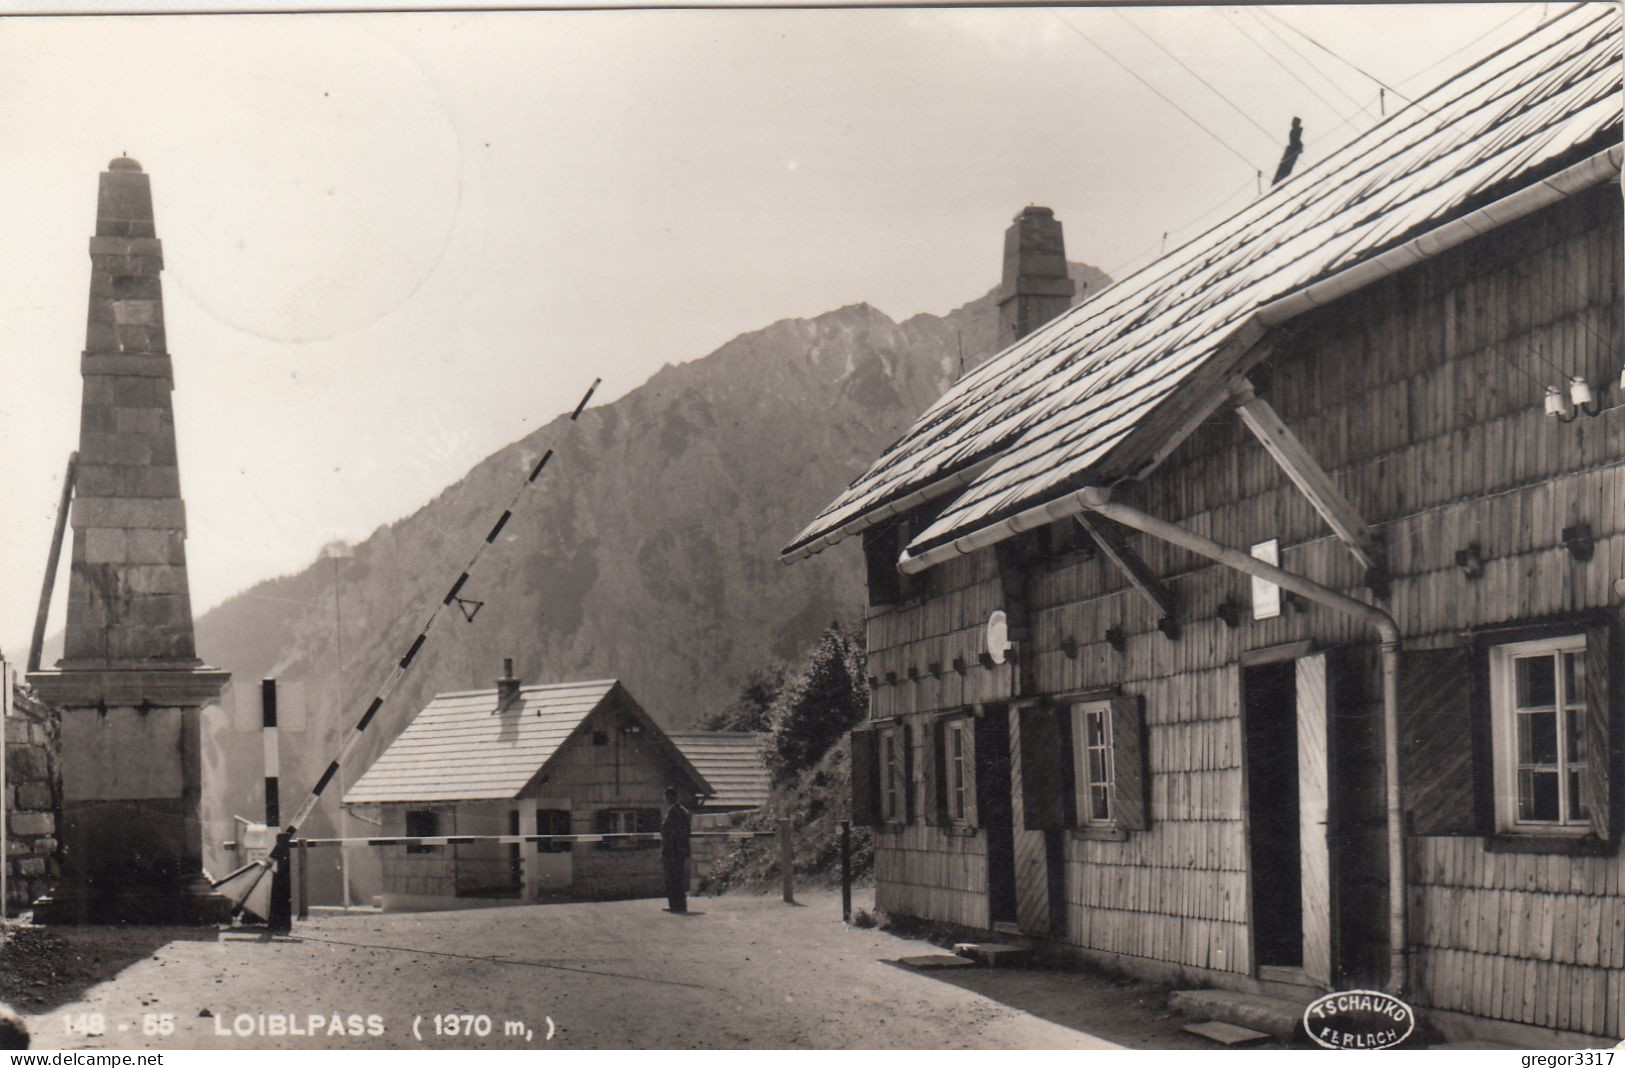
[
  {"x": 885, "y": 510},
  {"x": 1593, "y": 170},
  {"x": 1601, "y": 167}
]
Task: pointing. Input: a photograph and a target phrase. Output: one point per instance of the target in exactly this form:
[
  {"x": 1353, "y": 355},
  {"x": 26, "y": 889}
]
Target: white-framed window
[
  {"x": 1093, "y": 772},
  {"x": 959, "y": 769},
  {"x": 893, "y": 778},
  {"x": 615, "y": 821},
  {"x": 1538, "y": 705}
]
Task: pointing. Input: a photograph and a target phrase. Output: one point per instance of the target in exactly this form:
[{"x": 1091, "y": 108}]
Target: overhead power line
[
  {"x": 1347, "y": 62},
  {"x": 1160, "y": 94},
  {"x": 1306, "y": 60},
  {"x": 1274, "y": 138},
  {"x": 1237, "y": 25},
  {"x": 1520, "y": 13}
]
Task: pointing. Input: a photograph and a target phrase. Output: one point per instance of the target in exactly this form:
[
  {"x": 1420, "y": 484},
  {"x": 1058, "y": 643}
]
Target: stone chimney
[
  {"x": 1036, "y": 287},
  {"x": 129, "y": 687},
  {"x": 507, "y": 686}
]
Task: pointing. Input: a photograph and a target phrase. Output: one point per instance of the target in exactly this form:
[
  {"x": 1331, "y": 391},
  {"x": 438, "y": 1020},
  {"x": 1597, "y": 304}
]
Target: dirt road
[{"x": 741, "y": 971}]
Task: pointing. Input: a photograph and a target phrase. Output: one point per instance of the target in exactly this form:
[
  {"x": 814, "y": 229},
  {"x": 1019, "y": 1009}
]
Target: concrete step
[
  {"x": 994, "y": 954},
  {"x": 931, "y": 961},
  {"x": 1227, "y": 1034},
  {"x": 1274, "y": 1016}
]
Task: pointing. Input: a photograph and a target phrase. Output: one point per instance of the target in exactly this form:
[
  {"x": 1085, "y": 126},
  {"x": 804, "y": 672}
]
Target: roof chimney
[
  {"x": 507, "y": 686},
  {"x": 1036, "y": 287}
]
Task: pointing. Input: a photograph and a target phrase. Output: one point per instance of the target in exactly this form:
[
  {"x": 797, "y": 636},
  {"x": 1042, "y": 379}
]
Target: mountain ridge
[{"x": 647, "y": 551}]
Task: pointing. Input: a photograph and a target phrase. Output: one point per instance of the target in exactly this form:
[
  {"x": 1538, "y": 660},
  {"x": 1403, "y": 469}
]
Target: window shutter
[
  {"x": 648, "y": 823},
  {"x": 967, "y": 734},
  {"x": 1596, "y": 785},
  {"x": 1130, "y": 773},
  {"x": 1042, "y": 780},
  {"x": 909, "y": 805},
  {"x": 1438, "y": 772},
  {"x": 936, "y": 772},
  {"x": 865, "y": 778},
  {"x": 603, "y": 823},
  {"x": 552, "y": 821}
]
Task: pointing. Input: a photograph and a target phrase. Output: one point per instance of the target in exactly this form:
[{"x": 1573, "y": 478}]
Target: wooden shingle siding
[
  {"x": 928, "y": 870},
  {"x": 1392, "y": 417},
  {"x": 1404, "y": 393},
  {"x": 923, "y": 871},
  {"x": 629, "y": 772},
  {"x": 1560, "y": 920},
  {"x": 949, "y": 623}
]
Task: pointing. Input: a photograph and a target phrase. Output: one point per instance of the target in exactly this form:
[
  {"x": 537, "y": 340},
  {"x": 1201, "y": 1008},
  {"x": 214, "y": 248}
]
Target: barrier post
[
  {"x": 304, "y": 880},
  {"x": 281, "y": 917},
  {"x": 787, "y": 866},
  {"x": 846, "y": 871}
]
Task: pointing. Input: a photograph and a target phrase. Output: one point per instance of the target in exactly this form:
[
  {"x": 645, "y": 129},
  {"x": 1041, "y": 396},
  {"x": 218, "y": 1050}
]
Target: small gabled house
[
  {"x": 1256, "y": 623},
  {"x": 578, "y": 758}
]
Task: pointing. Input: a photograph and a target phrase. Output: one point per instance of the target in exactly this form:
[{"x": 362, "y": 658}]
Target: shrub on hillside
[
  {"x": 752, "y": 709},
  {"x": 820, "y": 704}
]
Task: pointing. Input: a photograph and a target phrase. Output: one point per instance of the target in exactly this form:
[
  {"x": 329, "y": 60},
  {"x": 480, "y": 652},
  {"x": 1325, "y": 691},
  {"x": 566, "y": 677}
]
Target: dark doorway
[
  {"x": 994, "y": 812},
  {"x": 1269, "y": 709}
]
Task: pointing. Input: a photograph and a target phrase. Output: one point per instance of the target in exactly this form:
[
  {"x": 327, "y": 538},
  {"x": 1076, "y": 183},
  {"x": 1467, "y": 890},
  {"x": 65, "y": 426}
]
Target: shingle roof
[
  {"x": 731, "y": 762},
  {"x": 1054, "y": 411},
  {"x": 459, "y": 748}
]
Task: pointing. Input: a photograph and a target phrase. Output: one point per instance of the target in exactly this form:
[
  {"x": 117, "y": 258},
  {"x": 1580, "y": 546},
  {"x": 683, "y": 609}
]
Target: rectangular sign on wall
[{"x": 1267, "y": 595}]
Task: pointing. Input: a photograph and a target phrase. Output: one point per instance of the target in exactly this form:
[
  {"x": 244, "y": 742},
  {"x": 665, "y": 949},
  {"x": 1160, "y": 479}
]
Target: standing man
[{"x": 674, "y": 832}]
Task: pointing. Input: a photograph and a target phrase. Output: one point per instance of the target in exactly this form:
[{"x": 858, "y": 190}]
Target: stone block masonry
[
  {"x": 33, "y": 804},
  {"x": 129, "y": 690},
  {"x": 128, "y": 508}
]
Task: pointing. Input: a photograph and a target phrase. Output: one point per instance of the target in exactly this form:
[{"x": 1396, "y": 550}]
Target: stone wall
[{"x": 33, "y": 799}]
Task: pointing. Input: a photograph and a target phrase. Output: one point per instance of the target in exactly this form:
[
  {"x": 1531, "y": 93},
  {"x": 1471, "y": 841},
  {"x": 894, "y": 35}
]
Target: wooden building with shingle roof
[
  {"x": 579, "y": 758},
  {"x": 1256, "y": 623}
]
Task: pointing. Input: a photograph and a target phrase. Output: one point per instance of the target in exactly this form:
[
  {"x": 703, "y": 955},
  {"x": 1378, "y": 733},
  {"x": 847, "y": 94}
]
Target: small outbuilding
[
  {"x": 733, "y": 762},
  {"x": 578, "y": 758}
]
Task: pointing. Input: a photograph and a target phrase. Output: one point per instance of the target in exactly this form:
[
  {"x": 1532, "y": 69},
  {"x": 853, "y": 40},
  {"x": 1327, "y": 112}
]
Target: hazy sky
[{"x": 394, "y": 243}]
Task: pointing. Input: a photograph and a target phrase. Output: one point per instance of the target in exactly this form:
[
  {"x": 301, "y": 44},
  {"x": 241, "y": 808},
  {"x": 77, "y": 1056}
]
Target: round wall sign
[{"x": 998, "y": 636}]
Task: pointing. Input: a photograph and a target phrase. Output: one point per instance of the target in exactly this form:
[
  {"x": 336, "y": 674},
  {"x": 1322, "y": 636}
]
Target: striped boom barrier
[
  {"x": 519, "y": 839},
  {"x": 405, "y": 662}
]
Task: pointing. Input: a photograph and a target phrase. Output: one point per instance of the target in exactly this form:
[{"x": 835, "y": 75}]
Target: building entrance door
[
  {"x": 1284, "y": 711},
  {"x": 995, "y": 815}
]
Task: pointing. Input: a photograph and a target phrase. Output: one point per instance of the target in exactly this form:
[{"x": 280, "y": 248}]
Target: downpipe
[{"x": 1098, "y": 500}]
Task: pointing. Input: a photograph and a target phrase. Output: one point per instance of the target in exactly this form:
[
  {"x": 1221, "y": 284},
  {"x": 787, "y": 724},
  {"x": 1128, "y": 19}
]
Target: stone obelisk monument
[{"x": 129, "y": 687}]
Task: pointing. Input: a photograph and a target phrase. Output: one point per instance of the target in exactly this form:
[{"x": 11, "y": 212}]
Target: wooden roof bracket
[
  {"x": 1099, "y": 499},
  {"x": 1134, "y": 568},
  {"x": 1314, "y": 483}
]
